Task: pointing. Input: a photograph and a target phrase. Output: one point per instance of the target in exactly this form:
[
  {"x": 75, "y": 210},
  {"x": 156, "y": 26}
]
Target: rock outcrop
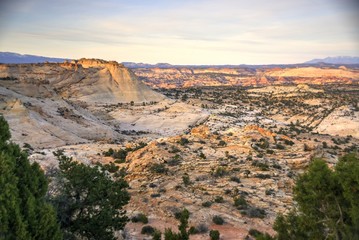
[{"x": 88, "y": 80}]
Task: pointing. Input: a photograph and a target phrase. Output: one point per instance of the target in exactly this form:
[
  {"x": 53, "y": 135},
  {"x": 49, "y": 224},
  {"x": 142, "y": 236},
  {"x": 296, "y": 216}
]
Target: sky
[{"x": 182, "y": 31}]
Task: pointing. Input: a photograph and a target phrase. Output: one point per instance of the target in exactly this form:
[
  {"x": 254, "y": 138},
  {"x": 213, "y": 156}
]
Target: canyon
[{"x": 197, "y": 138}]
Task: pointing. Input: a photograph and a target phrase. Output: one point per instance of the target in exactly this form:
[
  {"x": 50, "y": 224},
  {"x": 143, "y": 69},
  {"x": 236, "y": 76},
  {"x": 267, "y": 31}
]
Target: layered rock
[
  {"x": 89, "y": 80},
  {"x": 245, "y": 76},
  {"x": 56, "y": 104}
]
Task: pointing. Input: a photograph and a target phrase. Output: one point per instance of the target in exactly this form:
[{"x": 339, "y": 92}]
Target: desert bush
[
  {"x": 235, "y": 179},
  {"x": 240, "y": 202},
  {"x": 219, "y": 199},
  {"x": 183, "y": 141},
  {"x": 214, "y": 234},
  {"x": 186, "y": 180},
  {"x": 254, "y": 212},
  {"x": 140, "y": 217},
  {"x": 207, "y": 204},
  {"x": 158, "y": 168},
  {"x": 148, "y": 230},
  {"x": 220, "y": 172},
  {"x": 263, "y": 176},
  {"x": 218, "y": 220}
]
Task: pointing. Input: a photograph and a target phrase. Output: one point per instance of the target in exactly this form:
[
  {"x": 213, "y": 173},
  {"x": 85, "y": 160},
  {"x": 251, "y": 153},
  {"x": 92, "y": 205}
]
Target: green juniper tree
[
  {"x": 24, "y": 212},
  {"x": 89, "y": 200},
  {"x": 328, "y": 206}
]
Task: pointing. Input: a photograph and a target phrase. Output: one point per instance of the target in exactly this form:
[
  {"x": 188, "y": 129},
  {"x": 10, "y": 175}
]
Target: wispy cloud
[{"x": 211, "y": 31}]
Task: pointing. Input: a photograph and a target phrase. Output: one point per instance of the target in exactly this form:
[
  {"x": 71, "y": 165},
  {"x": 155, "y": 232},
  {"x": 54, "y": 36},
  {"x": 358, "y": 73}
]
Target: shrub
[
  {"x": 158, "y": 168},
  {"x": 28, "y": 146},
  {"x": 260, "y": 165},
  {"x": 186, "y": 180},
  {"x": 155, "y": 195},
  {"x": 112, "y": 168},
  {"x": 222, "y": 143},
  {"x": 202, "y": 228},
  {"x": 201, "y": 155},
  {"x": 174, "y": 150},
  {"x": 220, "y": 172},
  {"x": 254, "y": 232},
  {"x": 149, "y": 230},
  {"x": 214, "y": 234},
  {"x": 207, "y": 204},
  {"x": 174, "y": 161},
  {"x": 254, "y": 212},
  {"x": 192, "y": 230},
  {"x": 279, "y": 146},
  {"x": 288, "y": 142},
  {"x": 183, "y": 141},
  {"x": 219, "y": 199},
  {"x": 240, "y": 203},
  {"x": 140, "y": 218},
  {"x": 235, "y": 179},
  {"x": 269, "y": 151},
  {"x": 156, "y": 235},
  {"x": 269, "y": 191},
  {"x": 263, "y": 176},
  {"x": 217, "y": 220}
]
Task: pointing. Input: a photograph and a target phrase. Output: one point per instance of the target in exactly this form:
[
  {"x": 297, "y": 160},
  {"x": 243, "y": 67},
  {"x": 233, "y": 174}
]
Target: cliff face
[
  {"x": 55, "y": 104},
  {"x": 190, "y": 77},
  {"x": 89, "y": 80}
]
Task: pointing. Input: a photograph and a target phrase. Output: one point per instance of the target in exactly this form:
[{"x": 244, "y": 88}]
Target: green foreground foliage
[
  {"x": 328, "y": 203},
  {"x": 24, "y": 212},
  {"x": 89, "y": 200}
]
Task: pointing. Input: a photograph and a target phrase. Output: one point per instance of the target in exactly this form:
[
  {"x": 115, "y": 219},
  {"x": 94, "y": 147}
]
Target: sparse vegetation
[
  {"x": 158, "y": 168},
  {"x": 214, "y": 234},
  {"x": 218, "y": 220},
  {"x": 140, "y": 217}
]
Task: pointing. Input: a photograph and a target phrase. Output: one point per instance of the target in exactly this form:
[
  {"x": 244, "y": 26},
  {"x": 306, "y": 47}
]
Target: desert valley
[{"x": 220, "y": 141}]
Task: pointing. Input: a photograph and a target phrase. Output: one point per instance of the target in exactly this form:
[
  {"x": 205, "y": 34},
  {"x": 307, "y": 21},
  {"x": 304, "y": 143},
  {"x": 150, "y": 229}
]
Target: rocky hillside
[
  {"x": 88, "y": 80},
  {"x": 245, "y": 76},
  {"x": 56, "y": 104}
]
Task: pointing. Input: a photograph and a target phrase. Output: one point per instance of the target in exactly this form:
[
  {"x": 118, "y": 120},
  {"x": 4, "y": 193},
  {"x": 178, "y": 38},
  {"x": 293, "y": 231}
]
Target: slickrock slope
[
  {"x": 88, "y": 80},
  {"x": 52, "y": 104},
  {"x": 342, "y": 122},
  {"x": 245, "y": 76}
]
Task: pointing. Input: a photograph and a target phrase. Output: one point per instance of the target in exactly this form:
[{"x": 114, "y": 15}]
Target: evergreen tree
[
  {"x": 89, "y": 200},
  {"x": 24, "y": 212},
  {"x": 327, "y": 201}
]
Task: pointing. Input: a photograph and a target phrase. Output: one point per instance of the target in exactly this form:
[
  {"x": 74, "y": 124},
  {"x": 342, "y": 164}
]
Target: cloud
[{"x": 211, "y": 30}]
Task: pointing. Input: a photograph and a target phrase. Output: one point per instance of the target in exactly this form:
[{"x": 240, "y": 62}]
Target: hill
[
  {"x": 10, "y": 57},
  {"x": 336, "y": 60}
]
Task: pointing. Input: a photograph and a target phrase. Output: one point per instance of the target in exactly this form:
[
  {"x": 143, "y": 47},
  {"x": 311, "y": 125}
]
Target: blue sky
[{"x": 182, "y": 31}]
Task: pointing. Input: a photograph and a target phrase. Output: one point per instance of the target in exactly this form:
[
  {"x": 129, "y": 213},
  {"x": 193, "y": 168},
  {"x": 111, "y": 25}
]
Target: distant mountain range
[
  {"x": 10, "y": 57},
  {"x": 336, "y": 60}
]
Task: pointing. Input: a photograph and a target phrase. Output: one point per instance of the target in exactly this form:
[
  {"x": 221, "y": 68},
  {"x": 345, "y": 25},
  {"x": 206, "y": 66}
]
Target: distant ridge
[
  {"x": 10, "y": 57},
  {"x": 336, "y": 60}
]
